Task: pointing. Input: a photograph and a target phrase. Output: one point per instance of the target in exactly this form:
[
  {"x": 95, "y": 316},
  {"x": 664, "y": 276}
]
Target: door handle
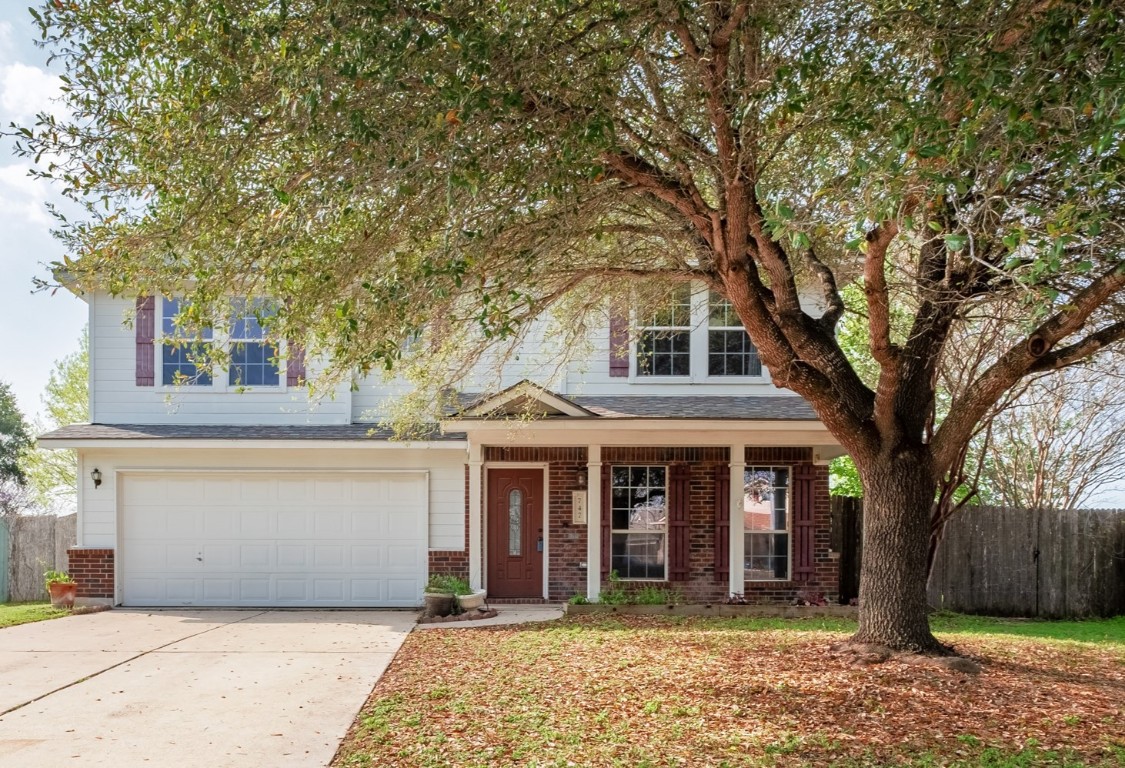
[{"x": 539, "y": 544}]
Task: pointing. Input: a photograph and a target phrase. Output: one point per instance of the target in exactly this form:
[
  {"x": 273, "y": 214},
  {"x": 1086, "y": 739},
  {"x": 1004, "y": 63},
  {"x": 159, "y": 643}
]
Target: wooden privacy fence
[
  {"x": 30, "y": 545},
  {"x": 1002, "y": 561}
]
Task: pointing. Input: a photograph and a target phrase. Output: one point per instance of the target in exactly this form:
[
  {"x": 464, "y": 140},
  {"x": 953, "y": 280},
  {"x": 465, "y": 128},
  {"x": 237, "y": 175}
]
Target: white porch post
[
  {"x": 476, "y": 556},
  {"x": 593, "y": 522},
  {"x": 737, "y": 538}
]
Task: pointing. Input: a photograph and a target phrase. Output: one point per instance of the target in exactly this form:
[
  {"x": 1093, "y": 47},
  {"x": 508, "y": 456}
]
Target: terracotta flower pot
[{"x": 62, "y": 593}]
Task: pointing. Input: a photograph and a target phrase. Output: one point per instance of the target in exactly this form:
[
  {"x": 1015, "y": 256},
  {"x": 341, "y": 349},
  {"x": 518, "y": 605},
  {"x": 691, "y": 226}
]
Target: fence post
[{"x": 5, "y": 552}]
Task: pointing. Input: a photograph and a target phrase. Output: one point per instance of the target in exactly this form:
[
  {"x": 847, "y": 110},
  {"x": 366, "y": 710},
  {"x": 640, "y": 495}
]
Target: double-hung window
[
  {"x": 696, "y": 336},
  {"x": 664, "y": 341},
  {"x": 253, "y": 359},
  {"x": 639, "y": 521},
  {"x": 729, "y": 349},
  {"x": 765, "y": 521},
  {"x": 182, "y": 353}
]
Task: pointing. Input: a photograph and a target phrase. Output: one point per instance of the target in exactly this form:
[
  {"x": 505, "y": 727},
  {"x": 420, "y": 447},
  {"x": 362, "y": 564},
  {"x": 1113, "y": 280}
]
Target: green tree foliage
[
  {"x": 456, "y": 169},
  {"x": 15, "y": 438},
  {"x": 53, "y": 474}
]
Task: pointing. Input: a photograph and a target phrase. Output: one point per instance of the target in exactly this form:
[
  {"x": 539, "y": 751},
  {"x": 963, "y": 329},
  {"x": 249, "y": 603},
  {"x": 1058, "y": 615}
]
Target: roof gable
[{"x": 525, "y": 399}]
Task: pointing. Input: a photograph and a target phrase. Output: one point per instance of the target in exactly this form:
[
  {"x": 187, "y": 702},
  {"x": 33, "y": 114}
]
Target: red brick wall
[
  {"x": 93, "y": 570},
  {"x": 567, "y": 542}
]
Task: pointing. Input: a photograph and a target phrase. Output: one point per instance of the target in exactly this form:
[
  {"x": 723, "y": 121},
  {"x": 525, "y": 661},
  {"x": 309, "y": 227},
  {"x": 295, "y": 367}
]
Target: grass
[
  {"x": 660, "y": 691},
  {"x": 12, "y": 614}
]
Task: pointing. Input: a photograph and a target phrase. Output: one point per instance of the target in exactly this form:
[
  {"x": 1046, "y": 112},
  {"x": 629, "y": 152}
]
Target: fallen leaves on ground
[{"x": 642, "y": 691}]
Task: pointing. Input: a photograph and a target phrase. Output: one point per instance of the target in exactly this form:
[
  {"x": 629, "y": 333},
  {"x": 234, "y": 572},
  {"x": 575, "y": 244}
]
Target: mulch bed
[{"x": 704, "y": 692}]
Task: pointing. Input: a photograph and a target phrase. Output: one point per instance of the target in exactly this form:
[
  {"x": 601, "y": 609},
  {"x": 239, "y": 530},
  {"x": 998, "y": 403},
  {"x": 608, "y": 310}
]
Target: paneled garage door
[{"x": 273, "y": 539}]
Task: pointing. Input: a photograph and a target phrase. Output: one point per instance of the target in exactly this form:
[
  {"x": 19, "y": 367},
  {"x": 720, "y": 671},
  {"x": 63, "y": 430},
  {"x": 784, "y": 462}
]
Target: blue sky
[{"x": 35, "y": 329}]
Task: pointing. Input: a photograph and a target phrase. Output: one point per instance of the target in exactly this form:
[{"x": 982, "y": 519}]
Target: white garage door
[{"x": 274, "y": 539}]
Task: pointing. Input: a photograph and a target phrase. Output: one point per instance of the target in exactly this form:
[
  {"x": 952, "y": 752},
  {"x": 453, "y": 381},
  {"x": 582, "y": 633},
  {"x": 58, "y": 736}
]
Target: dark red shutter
[
  {"x": 722, "y": 523},
  {"x": 618, "y": 340},
  {"x": 679, "y": 522},
  {"x": 145, "y": 327},
  {"x": 804, "y": 522},
  {"x": 607, "y": 520},
  {"x": 295, "y": 365}
]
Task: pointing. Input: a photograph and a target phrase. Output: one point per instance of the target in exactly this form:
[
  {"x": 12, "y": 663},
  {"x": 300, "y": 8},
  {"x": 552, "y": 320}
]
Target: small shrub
[
  {"x": 615, "y": 593},
  {"x": 652, "y": 595},
  {"x": 577, "y": 599}
]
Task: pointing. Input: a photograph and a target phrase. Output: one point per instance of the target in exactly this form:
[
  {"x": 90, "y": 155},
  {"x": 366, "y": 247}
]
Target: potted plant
[
  {"x": 62, "y": 588},
  {"x": 446, "y": 594}
]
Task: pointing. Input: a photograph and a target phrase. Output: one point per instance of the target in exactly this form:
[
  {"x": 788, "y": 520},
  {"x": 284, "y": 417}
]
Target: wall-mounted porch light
[
  {"x": 580, "y": 481},
  {"x": 96, "y": 476}
]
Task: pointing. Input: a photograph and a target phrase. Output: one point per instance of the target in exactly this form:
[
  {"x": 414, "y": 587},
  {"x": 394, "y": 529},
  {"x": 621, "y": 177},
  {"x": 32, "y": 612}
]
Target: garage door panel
[{"x": 267, "y": 538}]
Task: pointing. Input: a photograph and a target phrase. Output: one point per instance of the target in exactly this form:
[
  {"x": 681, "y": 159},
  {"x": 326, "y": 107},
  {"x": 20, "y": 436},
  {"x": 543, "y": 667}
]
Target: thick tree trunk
[{"x": 898, "y": 499}]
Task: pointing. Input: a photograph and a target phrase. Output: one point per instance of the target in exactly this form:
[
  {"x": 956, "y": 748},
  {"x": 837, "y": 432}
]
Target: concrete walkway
[{"x": 186, "y": 688}]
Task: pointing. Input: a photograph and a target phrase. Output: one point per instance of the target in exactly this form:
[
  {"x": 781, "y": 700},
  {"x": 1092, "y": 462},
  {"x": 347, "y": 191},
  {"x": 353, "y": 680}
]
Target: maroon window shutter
[
  {"x": 722, "y": 523},
  {"x": 804, "y": 522},
  {"x": 295, "y": 365},
  {"x": 679, "y": 526},
  {"x": 145, "y": 327},
  {"x": 618, "y": 340},
  {"x": 607, "y": 520}
]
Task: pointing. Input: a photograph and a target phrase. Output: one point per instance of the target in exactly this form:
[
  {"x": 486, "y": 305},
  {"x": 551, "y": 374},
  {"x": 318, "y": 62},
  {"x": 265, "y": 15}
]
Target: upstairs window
[
  {"x": 729, "y": 349},
  {"x": 253, "y": 359},
  {"x": 696, "y": 336},
  {"x": 182, "y": 353},
  {"x": 664, "y": 341}
]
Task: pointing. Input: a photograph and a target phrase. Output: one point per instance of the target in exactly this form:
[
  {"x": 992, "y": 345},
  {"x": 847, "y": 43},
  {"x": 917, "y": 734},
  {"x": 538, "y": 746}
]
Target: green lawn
[
  {"x": 657, "y": 691},
  {"x": 12, "y": 614}
]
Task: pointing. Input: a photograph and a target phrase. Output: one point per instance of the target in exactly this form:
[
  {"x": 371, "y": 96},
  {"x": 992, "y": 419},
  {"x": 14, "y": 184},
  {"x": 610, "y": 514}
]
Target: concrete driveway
[{"x": 189, "y": 688}]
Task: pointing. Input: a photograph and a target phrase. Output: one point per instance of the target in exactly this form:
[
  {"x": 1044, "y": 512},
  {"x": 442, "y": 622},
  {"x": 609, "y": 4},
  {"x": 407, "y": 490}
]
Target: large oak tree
[{"x": 462, "y": 167}]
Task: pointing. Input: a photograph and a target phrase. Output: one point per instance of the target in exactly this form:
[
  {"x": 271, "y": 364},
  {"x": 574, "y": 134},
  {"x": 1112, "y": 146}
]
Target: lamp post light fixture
[{"x": 96, "y": 476}]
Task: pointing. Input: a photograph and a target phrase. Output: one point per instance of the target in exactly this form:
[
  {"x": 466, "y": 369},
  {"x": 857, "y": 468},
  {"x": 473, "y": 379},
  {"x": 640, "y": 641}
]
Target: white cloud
[
  {"x": 26, "y": 91},
  {"x": 6, "y": 47},
  {"x": 22, "y": 197}
]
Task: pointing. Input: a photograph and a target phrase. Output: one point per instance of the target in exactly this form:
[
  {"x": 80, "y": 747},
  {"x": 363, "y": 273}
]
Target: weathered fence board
[
  {"x": 4, "y": 551},
  {"x": 37, "y": 543},
  {"x": 1016, "y": 562}
]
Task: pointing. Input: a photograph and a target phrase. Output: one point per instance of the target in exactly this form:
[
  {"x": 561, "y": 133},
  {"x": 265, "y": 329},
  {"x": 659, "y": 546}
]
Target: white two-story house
[{"x": 667, "y": 457}]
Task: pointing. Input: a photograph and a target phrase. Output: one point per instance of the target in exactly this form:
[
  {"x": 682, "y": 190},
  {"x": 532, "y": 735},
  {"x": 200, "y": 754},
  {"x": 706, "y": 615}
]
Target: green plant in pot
[
  {"x": 447, "y": 594},
  {"x": 61, "y": 587}
]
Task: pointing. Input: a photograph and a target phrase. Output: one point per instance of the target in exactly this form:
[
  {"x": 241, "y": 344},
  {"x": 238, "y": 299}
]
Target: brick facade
[
  {"x": 567, "y": 542},
  {"x": 93, "y": 570}
]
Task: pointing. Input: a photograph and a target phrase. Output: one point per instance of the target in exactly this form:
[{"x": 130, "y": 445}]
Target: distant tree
[
  {"x": 53, "y": 474},
  {"x": 15, "y": 438},
  {"x": 1061, "y": 442}
]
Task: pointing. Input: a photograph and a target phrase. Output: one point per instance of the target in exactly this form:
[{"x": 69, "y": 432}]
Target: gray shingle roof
[
  {"x": 777, "y": 408},
  {"x": 231, "y": 432}
]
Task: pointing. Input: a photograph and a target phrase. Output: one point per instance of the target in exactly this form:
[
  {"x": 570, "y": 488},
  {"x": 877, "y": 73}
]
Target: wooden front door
[{"x": 515, "y": 532}]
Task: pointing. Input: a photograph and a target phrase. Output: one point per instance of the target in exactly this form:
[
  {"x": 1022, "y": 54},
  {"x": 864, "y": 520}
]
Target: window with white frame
[
  {"x": 253, "y": 359},
  {"x": 765, "y": 522},
  {"x": 183, "y": 350},
  {"x": 729, "y": 349},
  {"x": 664, "y": 338},
  {"x": 695, "y": 336},
  {"x": 182, "y": 354},
  {"x": 639, "y": 521}
]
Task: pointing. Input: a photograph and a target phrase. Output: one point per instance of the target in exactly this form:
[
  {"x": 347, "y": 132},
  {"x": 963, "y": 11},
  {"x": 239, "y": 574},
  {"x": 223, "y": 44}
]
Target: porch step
[{"x": 517, "y": 601}]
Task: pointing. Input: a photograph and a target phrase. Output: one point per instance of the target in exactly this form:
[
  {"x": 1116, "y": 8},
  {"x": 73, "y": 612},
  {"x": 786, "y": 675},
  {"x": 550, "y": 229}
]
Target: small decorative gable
[{"x": 525, "y": 399}]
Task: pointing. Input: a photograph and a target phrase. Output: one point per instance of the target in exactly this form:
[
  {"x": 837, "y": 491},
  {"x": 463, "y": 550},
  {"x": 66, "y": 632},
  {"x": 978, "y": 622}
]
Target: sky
[{"x": 35, "y": 328}]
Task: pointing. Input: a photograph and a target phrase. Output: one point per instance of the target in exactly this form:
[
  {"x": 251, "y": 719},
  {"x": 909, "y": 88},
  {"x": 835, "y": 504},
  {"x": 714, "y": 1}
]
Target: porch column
[
  {"x": 593, "y": 522},
  {"x": 476, "y": 556},
  {"x": 737, "y": 537}
]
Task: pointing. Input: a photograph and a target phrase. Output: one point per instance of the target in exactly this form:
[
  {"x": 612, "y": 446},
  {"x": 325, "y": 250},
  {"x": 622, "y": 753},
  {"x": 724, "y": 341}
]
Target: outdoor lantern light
[
  {"x": 581, "y": 479},
  {"x": 96, "y": 476}
]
